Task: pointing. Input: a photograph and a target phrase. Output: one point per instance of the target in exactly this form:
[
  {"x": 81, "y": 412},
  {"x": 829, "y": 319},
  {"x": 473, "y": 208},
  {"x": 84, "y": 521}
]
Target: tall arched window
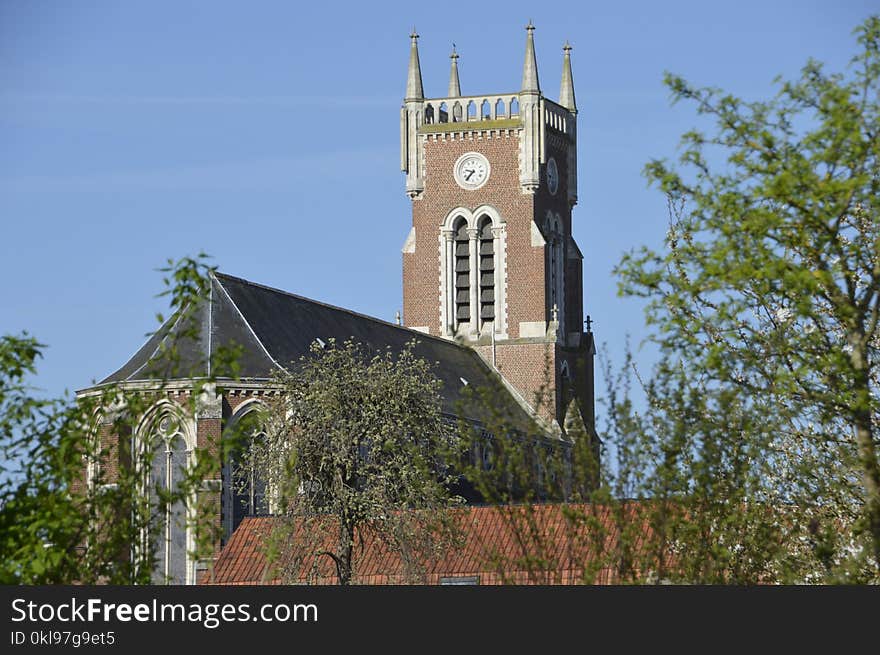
[
  {"x": 92, "y": 453},
  {"x": 472, "y": 282},
  {"x": 554, "y": 281},
  {"x": 168, "y": 530},
  {"x": 487, "y": 271},
  {"x": 244, "y": 486},
  {"x": 462, "y": 274},
  {"x": 249, "y": 485},
  {"x": 555, "y": 262}
]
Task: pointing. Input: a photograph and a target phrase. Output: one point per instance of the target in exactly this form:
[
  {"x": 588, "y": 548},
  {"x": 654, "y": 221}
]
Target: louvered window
[
  {"x": 487, "y": 272},
  {"x": 462, "y": 275}
]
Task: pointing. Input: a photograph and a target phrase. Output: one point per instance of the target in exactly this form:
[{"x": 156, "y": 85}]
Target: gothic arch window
[
  {"x": 488, "y": 453},
  {"x": 514, "y": 107},
  {"x": 244, "y": 486},
  {"x": 555, "y": 270},
  {"x": 429, "y": 114},
  {"x": 485, "y": 110},
  {"x": 499, "y": 108},
  {"x": 462, "y": 274},
  {"x": 564, "y": 371},
  {"x": 487, "y": 271},
  {"x": 471, "y": 110},
  {"x": 444, "y": 113},
  {"x": 565, "y": 383},
  {"x": 472, "y": 284},
  {"x": 92, "y": 453},
  {"x": 167, "y": 452},
  {"x": 554, "y": 277}
]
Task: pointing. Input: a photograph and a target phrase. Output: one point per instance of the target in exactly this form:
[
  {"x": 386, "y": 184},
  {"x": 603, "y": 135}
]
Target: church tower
[{"x": 490, "y": 260}]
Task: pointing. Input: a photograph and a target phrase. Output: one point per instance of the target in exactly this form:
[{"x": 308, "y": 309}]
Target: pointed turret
[
  {"x": 411, "y": 117},
  {"x": 566, "y": 88},
  {"x": 530, "y": 67},
  {"x": 531, "y": 115},
  {"x": 414, "y": 75},
  {"x": 454, "y": 84}
]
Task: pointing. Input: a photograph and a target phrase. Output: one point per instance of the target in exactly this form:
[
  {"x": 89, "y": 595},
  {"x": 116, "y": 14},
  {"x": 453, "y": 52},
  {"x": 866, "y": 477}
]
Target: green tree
[
  {"x": 684, "y": 490},
  {"x": 767, "y": 297},
  {"x": 73, "y": 507},
  {"x": 699, "y": 461},
  {"x": 355, "y": 446}
]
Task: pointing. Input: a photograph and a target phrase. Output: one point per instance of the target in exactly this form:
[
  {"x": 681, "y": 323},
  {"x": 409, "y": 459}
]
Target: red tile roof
[{"x": 519, "y": 544}]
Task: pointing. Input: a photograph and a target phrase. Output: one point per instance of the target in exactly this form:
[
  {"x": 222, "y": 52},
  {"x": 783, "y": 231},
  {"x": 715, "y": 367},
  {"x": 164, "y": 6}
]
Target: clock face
[
  {"x": 552, "y": 176},
  {"x": 471, "y": 170}
]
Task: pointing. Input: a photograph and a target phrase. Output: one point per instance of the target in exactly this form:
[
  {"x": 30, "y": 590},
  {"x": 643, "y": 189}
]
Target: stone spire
[
  {"x": 411, "y": 117},
  {"x": 530, "y": 67},
  {"x": 566, "y": 88},
  {"x": 414, "y": 75},
  {"x": 454, "y": 84}
]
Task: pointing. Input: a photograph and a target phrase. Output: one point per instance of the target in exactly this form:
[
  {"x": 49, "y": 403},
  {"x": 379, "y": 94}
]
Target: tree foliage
[
  {"x": 73, "y": 506},
  {"x": 754, "y": 456},
  {"x": 766, "y": 304},
  {"x": 356, "y": 446}
]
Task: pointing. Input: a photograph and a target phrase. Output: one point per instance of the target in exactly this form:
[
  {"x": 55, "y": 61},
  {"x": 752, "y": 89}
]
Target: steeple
[
  {"x": 530, "y": 67},
  {"x": 454, "y": 85},
  {"x": 414, "y": 75},
  {"x": 566, "y": 88}
]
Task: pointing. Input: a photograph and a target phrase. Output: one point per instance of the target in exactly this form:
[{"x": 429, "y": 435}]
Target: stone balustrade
[{"x": 471, "y": 108}]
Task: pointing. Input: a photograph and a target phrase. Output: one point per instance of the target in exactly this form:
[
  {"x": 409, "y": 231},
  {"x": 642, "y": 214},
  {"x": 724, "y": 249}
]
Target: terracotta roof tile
[{"x": 497, "y": 544}]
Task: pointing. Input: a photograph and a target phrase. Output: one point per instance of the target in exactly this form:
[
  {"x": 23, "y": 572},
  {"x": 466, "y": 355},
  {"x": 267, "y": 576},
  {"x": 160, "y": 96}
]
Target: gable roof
[
  {"x": 275, "y": 328},
  {"x": 520, "y": 544}
]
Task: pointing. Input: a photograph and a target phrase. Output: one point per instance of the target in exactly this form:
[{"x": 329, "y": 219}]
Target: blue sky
[{"x": 266, "y": 134}]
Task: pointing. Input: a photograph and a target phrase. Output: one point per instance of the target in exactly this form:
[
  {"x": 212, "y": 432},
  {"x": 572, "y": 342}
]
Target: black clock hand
[{"x": 468, "y": 176}]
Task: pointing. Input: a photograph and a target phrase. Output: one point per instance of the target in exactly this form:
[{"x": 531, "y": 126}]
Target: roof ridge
[
  {"x": 417, "y": 333},
  {"x": 244, "y": 320}
]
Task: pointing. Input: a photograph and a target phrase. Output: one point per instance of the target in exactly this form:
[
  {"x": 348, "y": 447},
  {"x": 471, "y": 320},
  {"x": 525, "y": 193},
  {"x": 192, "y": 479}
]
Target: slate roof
[
  {"x": 276, "y": 328},
  {"x": 495, "y": 539}
]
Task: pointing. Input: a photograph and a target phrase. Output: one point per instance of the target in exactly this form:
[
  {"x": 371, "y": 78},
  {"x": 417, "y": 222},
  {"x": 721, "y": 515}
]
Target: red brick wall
[
  {"x": 525, "y": 265},
  {"x": 530, "y": 368},
  {"x": 523, "y": 365}
]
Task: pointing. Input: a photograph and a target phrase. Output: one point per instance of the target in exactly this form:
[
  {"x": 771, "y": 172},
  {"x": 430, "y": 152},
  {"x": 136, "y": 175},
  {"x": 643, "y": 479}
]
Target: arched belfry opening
[
  {"x": 462, "y": 288},
  {"x": 487, "y": 271},
  {"x": 472, "y": 246}
]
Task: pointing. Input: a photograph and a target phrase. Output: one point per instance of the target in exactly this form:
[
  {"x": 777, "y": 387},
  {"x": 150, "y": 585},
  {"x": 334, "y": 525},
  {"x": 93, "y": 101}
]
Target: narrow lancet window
[
  {"x": 487, "y": 271},
  {"x": 462, "y": 275},
  {"x": 554, "y": 282},
  {"x": 168, "y": 466}
]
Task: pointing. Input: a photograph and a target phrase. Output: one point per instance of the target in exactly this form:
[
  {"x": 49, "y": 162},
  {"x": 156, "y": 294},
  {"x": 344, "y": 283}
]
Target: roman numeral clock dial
[{"x": 471, "y": 171}]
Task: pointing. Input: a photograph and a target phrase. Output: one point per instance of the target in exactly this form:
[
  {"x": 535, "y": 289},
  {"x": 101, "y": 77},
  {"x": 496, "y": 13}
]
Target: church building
[{"x": 492, "y": 290}]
